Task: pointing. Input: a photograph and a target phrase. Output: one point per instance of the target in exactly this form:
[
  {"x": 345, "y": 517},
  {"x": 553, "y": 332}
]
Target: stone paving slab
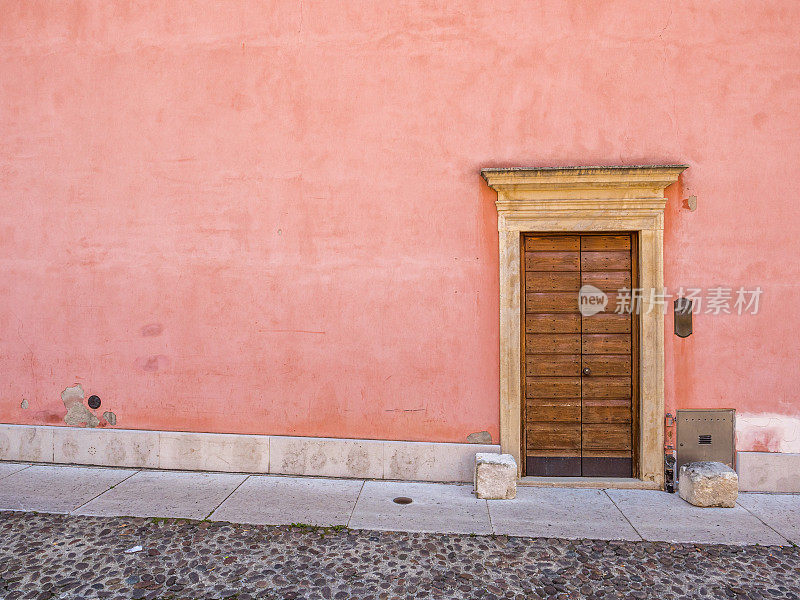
[
  {"x": 435, "y": 507},
  {"x": 779, "y": 511},
  {"x": 176, "y": 494},
  {"x": 270, "y": 500},
  {"x": 560, "y": 513},
  {"x": 7, "y": 469},
  {"x": 552, "y": 512},
  {"x": 56, "y": 489},
  {"x": 665, "y": 517}
]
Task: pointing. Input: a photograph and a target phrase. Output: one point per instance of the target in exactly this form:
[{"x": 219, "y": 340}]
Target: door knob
[{"x": 587, "y": 371}]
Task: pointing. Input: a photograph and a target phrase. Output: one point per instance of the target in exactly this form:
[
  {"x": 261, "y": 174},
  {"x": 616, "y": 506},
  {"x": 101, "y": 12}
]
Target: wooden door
[{"x": 579, "y": 370}]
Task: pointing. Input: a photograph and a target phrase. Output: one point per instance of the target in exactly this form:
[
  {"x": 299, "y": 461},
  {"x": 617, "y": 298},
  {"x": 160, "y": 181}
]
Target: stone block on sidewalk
[
  {"x": 708, "y": 484},
  {"x": 495, "y": 476}
]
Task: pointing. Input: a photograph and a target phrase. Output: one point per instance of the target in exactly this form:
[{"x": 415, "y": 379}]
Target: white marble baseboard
[{"x": 176, "y": 450}]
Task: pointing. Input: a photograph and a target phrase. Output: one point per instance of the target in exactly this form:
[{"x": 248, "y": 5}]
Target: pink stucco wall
[{"x": 268, "y": 217}]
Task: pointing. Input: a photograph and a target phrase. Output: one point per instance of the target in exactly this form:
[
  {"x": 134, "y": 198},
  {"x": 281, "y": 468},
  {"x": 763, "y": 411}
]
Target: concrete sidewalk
[{"x": 764, "y": 519}]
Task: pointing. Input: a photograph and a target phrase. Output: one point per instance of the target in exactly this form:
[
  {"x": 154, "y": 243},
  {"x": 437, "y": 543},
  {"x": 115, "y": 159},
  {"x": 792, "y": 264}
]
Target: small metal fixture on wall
[
  {"x": 669, "y": 473},
  {"x": 682, "y": 309},
  {"x": 669, "y": 453}
]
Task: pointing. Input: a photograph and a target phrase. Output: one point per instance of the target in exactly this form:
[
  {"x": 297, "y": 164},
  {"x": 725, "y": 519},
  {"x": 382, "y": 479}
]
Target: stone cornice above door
[
  {"x": 632, "y": 198},
  {"x": 553, "y": 183}
]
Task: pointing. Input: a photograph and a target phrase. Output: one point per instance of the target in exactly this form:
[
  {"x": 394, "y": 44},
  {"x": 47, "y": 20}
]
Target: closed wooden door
[{"x": 580, "y": 389}]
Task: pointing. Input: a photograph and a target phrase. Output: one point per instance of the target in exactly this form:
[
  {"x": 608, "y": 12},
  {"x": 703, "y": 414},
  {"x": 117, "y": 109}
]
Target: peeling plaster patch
[
  {"x": 110, "y": 417},
  {"x": 80, "y": 416},
  {"x": 72, "y": 395},
  {"x": 767, "y": 432},
  {"x": 24, "y": 404},
  {"x": 479, "y": 437},
  {"x": 77, "y": 414}
]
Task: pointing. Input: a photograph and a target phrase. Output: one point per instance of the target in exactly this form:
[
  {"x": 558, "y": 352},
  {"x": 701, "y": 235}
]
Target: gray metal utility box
[{"x": 706, "y": 435}]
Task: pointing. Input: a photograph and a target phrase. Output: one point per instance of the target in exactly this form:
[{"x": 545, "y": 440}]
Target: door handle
[{"x": 586, "y": 371}]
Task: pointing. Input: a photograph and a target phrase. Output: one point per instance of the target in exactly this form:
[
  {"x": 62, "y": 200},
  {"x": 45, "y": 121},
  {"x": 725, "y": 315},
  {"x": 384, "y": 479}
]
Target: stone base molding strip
[
  {"x": 495, "y": 476},
  {"x": 379, "y": 459},
  {"x": 238, "y": 453},
  {"x": 708, "y": 484},
  {"x": 769, "y": 472}
]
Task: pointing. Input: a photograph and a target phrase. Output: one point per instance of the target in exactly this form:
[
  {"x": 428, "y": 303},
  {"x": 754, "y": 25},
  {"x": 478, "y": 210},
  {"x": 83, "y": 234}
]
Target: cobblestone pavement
[{"x": 59, "y": 556}]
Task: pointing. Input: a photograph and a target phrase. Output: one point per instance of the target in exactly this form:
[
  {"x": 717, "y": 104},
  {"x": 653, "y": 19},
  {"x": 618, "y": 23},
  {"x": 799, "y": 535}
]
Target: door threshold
[{"x": 621, "y": 483}]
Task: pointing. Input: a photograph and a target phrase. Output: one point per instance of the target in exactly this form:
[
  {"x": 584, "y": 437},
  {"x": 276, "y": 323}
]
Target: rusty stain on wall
[
  {"x": 157, "y": 362},
  {"x": 405, "y": 463},
  {"x": 152, "y": 329},
  {"x": 78, "y": 415}
]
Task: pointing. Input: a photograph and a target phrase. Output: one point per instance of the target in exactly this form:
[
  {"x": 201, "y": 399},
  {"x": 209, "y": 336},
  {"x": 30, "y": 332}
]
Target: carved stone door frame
[{"x": 583, "y": 199}]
